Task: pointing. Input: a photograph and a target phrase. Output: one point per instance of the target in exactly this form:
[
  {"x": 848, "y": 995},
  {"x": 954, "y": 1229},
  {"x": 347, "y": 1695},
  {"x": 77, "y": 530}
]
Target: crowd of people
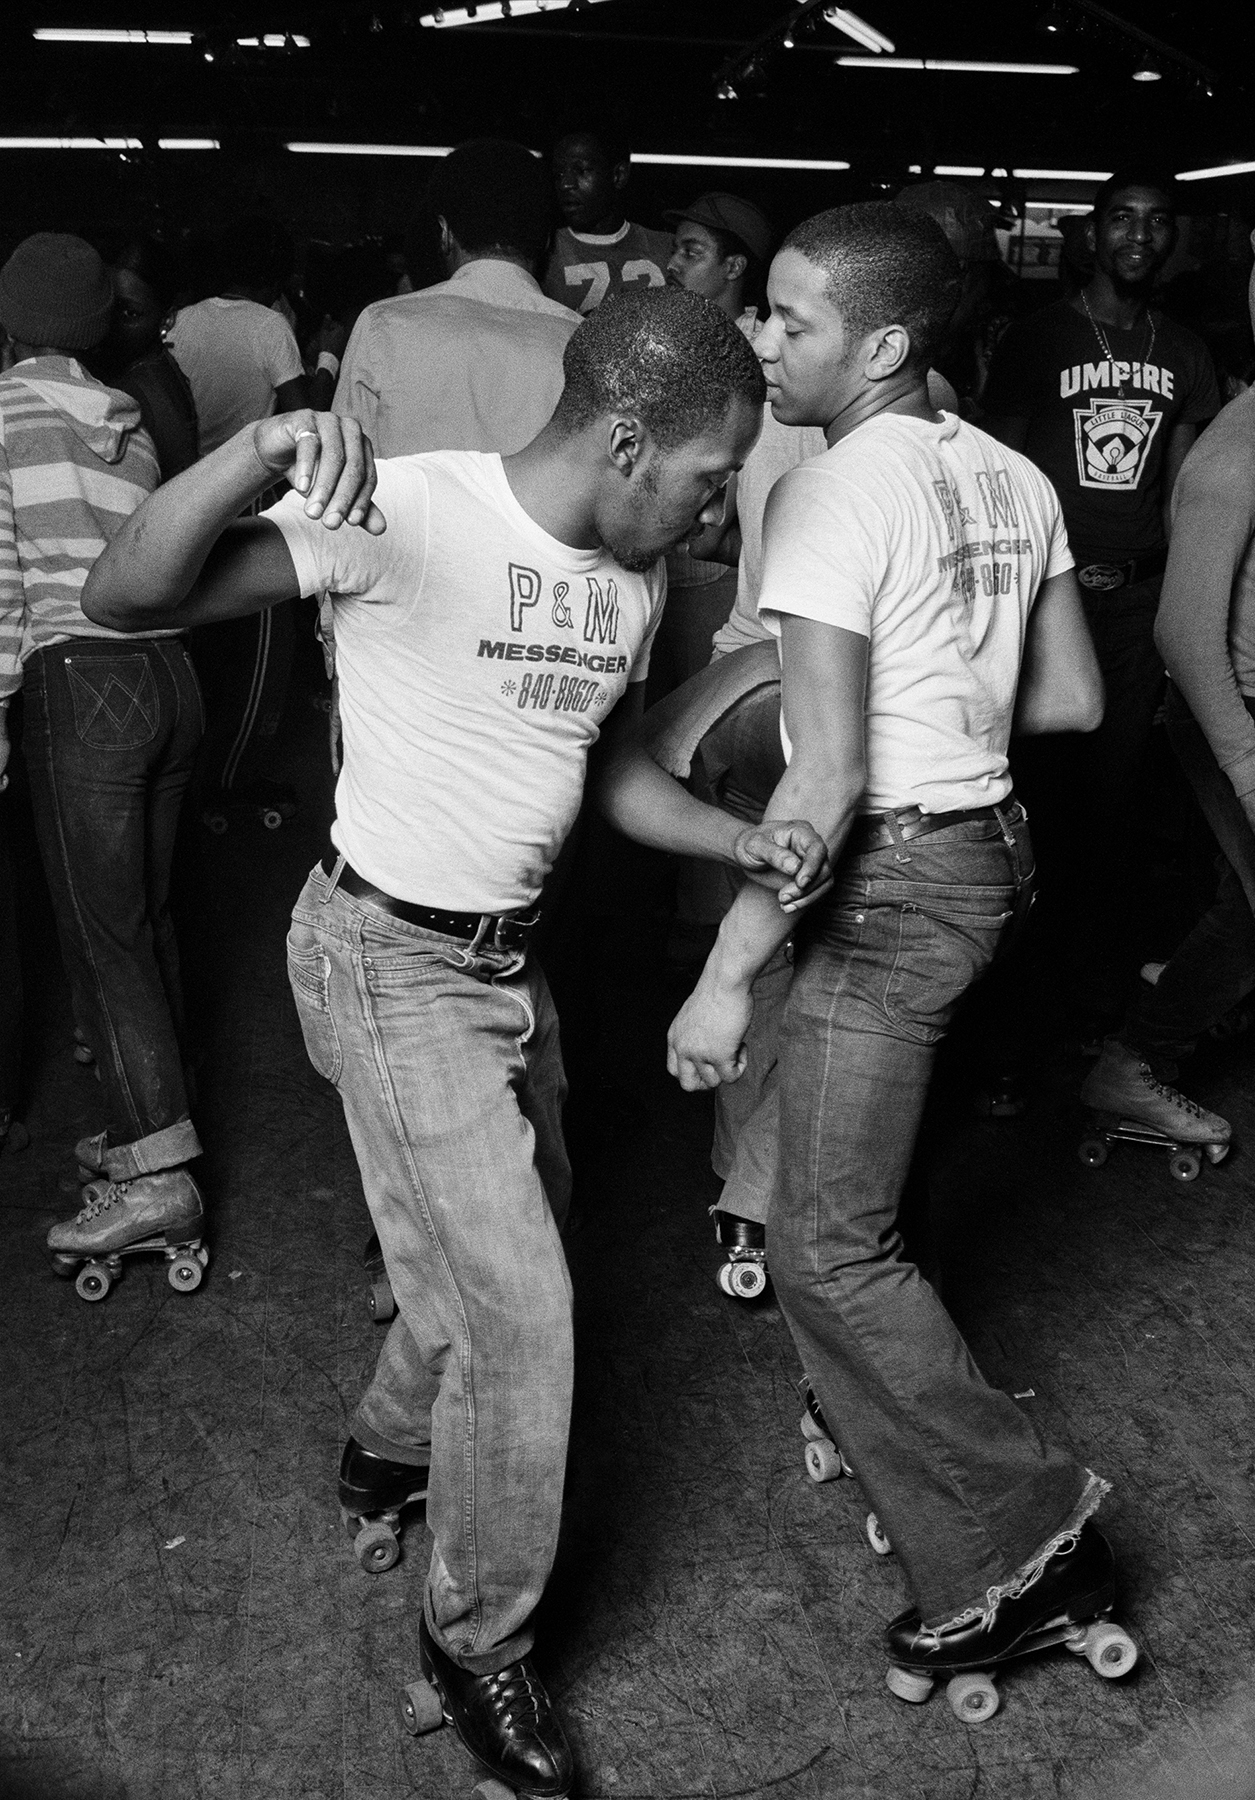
[{"x": 765, "y": 548}]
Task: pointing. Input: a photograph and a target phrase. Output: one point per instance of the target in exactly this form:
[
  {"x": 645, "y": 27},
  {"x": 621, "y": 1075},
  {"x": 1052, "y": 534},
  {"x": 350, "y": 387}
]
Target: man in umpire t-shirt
[{"x": 1106, "y": 397}]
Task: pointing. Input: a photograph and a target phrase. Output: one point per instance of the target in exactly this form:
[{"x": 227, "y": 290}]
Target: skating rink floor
[{"x": 183, "y": 1615}]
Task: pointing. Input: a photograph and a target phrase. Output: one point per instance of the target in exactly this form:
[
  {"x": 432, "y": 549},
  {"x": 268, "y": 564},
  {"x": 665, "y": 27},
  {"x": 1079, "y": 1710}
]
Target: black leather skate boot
[
  {"x": 505, "y": 1720},
  {"x": 373, "y": 1491}
]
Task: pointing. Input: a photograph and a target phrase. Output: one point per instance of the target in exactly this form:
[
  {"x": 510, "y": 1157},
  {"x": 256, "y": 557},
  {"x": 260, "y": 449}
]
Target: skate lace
[
  {"x": 517, "y": 1697},
  {"x": 114, "y": 1193},
  {"x": 1172, "y": 1095}
]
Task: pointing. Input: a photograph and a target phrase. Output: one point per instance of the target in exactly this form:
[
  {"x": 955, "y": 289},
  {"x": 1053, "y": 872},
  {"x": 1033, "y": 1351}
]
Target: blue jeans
[
  {"x": 447, "y": 1062},
  {"x": 962, "y": 1483},
  {"x": 109, "y": 738},
  {"x": 1214, "y": 968}
]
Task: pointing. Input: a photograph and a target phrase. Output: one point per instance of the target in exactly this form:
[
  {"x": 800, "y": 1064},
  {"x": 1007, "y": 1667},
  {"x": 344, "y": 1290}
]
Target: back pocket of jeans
[
  {"x": 115, "y": 700},
  {"x": 309, "y": 972}
]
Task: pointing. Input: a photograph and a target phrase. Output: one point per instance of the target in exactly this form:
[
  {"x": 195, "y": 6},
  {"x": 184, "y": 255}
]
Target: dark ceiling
[{"x": 373, "y": 73}]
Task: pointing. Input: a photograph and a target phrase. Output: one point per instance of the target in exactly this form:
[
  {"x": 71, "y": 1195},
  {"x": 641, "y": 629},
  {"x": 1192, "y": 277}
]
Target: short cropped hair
[
  {"x": 1159, "y": 181},
  {"x": 494, "y": 195},
  {"x": 609, "y": 135},
  {"x": 885, "y": 265},
  {"x": 671, "y": 358}
]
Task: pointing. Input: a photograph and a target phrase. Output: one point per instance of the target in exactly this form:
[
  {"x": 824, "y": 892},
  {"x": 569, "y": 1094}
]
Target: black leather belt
[
  {"x": 876, "y": 831},
  {"x": 1105, "y": 577},
  {"x": 500, "y": 931}
]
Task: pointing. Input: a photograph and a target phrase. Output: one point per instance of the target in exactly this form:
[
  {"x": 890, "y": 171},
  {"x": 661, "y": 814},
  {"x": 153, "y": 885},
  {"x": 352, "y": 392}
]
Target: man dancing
[
  {"x": 918, "y": 577},
  {"x": 490, "y": 613}
]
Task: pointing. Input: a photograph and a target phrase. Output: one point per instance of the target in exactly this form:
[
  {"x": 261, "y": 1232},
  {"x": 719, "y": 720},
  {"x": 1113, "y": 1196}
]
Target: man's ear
[
  {"x": 447, "y": 239},
  {"x": 626, "y": 443},
  {"x": 1091, "y": 237},
  {"x": 619, "y": 173},
  {"x": 736, "y": 265},
  {"x": 888, "y": 352}
]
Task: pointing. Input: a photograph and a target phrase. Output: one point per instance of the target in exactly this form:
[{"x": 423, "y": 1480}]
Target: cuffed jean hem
[
  {"x": 486, "y": 1662},
  {"x": 1029, "y": 1572},
  {"x": 169, "y": 1148},
  {"x": 417, "y": 1456}
]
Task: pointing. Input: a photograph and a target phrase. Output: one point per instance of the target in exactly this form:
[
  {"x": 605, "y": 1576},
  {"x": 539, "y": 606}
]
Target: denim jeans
[
  {"x": 1214, "y": 967},
  {"x": 961, "y": 1481},
  {"x": 10, "y": 972},
  {"x": 109, "y": 739},
  {"x": 447, "y": 1062}
]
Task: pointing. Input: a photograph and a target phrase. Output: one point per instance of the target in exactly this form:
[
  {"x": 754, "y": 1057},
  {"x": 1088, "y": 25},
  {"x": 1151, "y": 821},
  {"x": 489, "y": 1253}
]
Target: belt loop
[
  {"x": 481, "y": 932},
  {"x": 333, "y": 880},
  {"x": 901, "y": 853},
  {"x": 1008, "y": 836}
]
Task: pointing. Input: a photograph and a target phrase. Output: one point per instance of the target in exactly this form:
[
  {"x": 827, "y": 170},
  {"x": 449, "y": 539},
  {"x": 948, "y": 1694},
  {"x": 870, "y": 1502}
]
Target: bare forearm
[
  {"x": 154, "y": 560},
  {"x": 645, "y": 803}
]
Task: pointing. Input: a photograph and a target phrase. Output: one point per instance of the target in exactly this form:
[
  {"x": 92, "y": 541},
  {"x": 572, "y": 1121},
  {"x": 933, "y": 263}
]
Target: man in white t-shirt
[
  {"x": 918, "y": 578},
  {"x": 490, "y": 615}
]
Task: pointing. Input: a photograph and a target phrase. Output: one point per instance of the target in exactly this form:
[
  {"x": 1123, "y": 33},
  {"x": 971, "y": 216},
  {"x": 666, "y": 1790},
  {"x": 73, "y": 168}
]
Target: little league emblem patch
[{"x": 1112, "y": 439}]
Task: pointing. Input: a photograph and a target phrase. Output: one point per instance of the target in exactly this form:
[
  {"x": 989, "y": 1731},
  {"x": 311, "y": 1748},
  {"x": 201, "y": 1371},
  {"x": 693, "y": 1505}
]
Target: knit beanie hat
[{"x": 55, "y": 290}]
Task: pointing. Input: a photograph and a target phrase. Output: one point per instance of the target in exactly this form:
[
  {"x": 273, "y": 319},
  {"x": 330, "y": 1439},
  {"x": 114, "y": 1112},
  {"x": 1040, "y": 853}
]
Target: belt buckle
[
  {"x": 511, "y": 934},
  {"x": 1103, "y": 578}
]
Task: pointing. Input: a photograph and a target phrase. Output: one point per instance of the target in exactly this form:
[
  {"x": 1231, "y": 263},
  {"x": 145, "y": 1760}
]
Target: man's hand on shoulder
[{"x": 328, "y": 459}]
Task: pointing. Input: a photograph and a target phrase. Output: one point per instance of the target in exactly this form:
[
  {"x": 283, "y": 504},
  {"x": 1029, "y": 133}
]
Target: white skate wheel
[
  {"x": 1093, "y": 1152},
  {"x": 809, "y": 1429},
  {"x": 272, "y": 818},
  {"x": 381, "y": 1303},
  {"x": 823, "y": 1460},
  {"x": 492, "y": 1789},
  {"x": 910, "y": 1685},
  {"x": 748, "y": 1280},
  {"x": 93, "y": 1282},
  {"x": 1185, "y": 1165},
  {"x": 1109, "y": 1650},
  {"x": 1216, "y": 1153},
  {"x": 376, "y": 1547},
  {"x": 973, "y": 1698},
  {"x": 876, "y": 1536},
  {"x": 724, "y": 1278},
  {"x": 185, "y": 1274},
  {"x": 420, "y": 1708}
]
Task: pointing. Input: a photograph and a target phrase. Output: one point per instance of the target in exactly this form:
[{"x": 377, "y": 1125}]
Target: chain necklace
[{"x": 1105, "y": 347}]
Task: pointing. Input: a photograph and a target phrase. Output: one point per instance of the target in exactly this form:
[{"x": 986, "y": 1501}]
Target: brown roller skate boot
[{"x": 164, "y": 1212}]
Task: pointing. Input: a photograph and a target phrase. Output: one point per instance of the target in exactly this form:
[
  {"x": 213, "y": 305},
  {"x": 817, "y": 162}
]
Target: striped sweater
[{"x": 74, "y": 464}]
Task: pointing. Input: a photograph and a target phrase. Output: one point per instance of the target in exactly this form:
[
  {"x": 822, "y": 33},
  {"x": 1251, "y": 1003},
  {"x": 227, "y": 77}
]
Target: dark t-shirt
[
  {"x": 1104, "y": 454},
  {"x": 167, "y": 411}
]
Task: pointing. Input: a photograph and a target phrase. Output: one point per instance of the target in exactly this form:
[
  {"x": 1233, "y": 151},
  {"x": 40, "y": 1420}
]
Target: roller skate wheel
[
  {"x": 1184, "y": 1165},
  {"x": 420, "y": 1708},
  {"x": 492, "y": 1789},
  {"x": 377, "y": 1548},
  {"x": 1216, "y": 1153},
  {"x": 1093, "y": 1152},
  {"x": 876, "y": 1536},
  {"x": 824, "y": 1461},
  {"x": 63, "y": 1267},
  {"x": 380, "y": 1302},
  {"x": 83, "y": 1053},
  {"x": 217, "y": 822},
  {"x": 811, "y": 1430},
  {"x": 973, "y": 1698},
  {"x": 747, "y": 1280},
  {"x": 202, "y": 1255},
  {"x": 271, "y": 818},
  {"x": 185, "y": 1274},
  {"x": 724, "y": 1278},
  {"x": 1109, "y": 1650},
  {"x": 93, "y": 1282},
  {"x": 910, "y": 1685}
]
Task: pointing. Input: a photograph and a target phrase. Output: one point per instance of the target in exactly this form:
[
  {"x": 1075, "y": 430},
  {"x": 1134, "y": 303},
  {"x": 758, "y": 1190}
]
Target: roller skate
[
  {"x": 373, "y": 1491},
  {"x": 505, "y": 1720},
  {"x": 273, "y": 802},
  {"x": 825, "y": 1462},
  {"x": 744, "y": 1275},
  {"x": 380, "y": 1302},
  {"x": 1128, "y": 1105},
  {"x": 1069, "y": 1603},
  {"x": 163, "y": 1212}
]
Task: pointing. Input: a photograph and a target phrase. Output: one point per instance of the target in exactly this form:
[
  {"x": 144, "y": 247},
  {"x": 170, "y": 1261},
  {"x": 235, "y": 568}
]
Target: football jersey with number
[{"x": 586, "y": 269}]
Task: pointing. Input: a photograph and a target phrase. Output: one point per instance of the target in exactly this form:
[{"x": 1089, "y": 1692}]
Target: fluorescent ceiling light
[
  {"x": 188, "y": 144},
  {"x": 859, "y": 30},
  {"x": 937, "y": 65},
  {"x": 1242, "y": 168},
  {"x": 956, "y": 169},
  {"x": 1062, "y": 174},
  {"x": 274, "y": 40},
  {"x": 70, "y": 143},
  {"x": 735, "y": 162},
  {"x": 370, "y": 149},
  {"x": 74, "y": 34},
  {"x": 489, "y": 10},
  {"x": 1076, "y": 208}
]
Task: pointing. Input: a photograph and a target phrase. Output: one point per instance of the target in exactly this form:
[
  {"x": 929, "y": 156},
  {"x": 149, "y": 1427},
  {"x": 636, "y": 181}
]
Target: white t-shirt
[
  {"x": 930, "y": 540},
  {"x": 235, "y": 353},
  {"x": 478, "y": 658}
]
